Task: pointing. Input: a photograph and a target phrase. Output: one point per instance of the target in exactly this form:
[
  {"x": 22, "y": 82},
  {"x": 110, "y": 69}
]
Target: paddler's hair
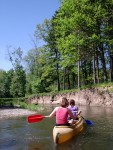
[
  {"x": 64, "y": 102},
  {"x": 72, "y": 102}
]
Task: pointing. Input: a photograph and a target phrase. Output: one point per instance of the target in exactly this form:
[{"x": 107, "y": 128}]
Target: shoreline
[{"x": 6, "y": 113}]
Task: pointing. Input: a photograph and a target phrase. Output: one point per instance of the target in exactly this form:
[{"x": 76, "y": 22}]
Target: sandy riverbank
[{"x": 14, "y": 112}]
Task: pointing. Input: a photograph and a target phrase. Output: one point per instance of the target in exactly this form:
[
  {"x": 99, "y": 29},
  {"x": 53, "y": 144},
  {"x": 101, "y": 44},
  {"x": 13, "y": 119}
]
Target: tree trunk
[
  {"x": 103, "y": 62},
  {"x": 74, "y": 81},
  {"x": 78, "y": 74},
  {"x": 94, "y": 70},
  {"x": 111, "y": 67},
  {"x": 97, "y": 68},
  {"x": 68, "y": 79},
  {"x": 64, "y": 72},
  {"x": 58, "y": 80},
  {"x": 57, "y": 70}
]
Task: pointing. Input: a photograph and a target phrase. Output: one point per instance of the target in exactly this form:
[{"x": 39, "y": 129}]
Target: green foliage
[
  {"x": 19, "y": 102},
  {"x": 17, "y": 88},
  {"x": 77, "y": 50},
  {"x": 32, "y": 107},
  {"x": 2, "y": 83},
  {"x": 11, "y": 101},
  {"x": 5, "y": 82}
]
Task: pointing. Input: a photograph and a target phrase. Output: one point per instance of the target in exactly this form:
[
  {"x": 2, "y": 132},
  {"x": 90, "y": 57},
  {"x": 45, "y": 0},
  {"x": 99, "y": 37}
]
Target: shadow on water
[{"x": 17, "y": 134}]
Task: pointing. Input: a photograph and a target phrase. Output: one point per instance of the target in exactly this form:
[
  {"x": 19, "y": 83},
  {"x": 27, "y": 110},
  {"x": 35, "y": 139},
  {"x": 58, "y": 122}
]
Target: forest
[{"x": 77, "y": 51}]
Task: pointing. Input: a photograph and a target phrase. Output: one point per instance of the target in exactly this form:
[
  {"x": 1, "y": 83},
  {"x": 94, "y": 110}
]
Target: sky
[{"x": 18, "y": 20}]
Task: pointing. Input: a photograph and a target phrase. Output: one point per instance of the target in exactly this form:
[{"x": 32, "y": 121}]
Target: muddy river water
[{"x": 17, "y": 134}]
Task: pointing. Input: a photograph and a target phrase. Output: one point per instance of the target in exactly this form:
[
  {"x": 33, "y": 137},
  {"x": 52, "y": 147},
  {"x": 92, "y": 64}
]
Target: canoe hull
[{"x": 62, "y": 134}]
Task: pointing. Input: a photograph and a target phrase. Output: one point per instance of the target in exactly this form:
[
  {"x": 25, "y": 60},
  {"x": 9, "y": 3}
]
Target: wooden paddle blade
[{"x": 35, "y": 118}]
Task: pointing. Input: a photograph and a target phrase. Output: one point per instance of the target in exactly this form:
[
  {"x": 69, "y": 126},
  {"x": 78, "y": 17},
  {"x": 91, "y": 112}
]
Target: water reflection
[{"x": 17, "y": 134}]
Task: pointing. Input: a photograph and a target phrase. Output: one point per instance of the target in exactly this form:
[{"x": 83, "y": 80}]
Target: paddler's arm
[
  {"x": 78, "y": 112},
  {"x": 53, "y": 112}
]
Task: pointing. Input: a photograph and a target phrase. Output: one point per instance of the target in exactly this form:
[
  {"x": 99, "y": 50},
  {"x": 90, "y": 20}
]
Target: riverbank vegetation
[
  {"x": 18, "y": 103},
  {"x": 77, "y": 52}
]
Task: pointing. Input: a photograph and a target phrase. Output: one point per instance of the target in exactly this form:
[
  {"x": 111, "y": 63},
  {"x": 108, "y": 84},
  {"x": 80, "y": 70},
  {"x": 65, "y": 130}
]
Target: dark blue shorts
[{"x": 67, "y": 124}]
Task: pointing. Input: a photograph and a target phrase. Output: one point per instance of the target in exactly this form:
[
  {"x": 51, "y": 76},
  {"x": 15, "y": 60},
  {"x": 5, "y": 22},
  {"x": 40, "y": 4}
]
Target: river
[{"x": 17, "y": 134}]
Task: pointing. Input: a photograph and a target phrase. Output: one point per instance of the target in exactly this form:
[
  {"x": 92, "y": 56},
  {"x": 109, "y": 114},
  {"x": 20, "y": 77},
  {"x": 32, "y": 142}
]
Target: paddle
[
  {"x": 35, "y": 118},
  {"x": 88, "y": 121}
]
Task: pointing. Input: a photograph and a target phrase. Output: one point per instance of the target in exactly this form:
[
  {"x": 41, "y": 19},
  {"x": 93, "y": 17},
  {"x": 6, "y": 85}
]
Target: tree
[
  {"x": 93, "y": 20},
  {"x": 3, "y": 75},
  {"x": 18, "y": 82},
  {"x": 46, "y": 32},
  {"x": 18, "y": 88},
  {"x": 8, "y": 81}
]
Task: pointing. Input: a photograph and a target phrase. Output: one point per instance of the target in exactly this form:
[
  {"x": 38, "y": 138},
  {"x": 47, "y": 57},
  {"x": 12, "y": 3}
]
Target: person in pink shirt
[{"x": 62, "y": 113}]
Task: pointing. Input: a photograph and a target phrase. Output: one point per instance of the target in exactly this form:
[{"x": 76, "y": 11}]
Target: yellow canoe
[{"x": 62, "y": 134}]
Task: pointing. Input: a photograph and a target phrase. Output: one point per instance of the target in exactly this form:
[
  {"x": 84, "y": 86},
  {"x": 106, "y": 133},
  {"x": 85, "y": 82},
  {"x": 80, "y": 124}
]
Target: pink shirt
[{"x": 61, "y": 115}]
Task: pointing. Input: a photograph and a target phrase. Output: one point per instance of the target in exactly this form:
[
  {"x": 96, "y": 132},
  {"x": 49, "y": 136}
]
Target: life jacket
[{"x": 74, "y": 110}]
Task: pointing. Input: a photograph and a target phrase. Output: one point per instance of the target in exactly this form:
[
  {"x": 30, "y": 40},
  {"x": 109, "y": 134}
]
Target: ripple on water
[
  {"x": 100, "y": 136},
  {"x": 17, "y": 134},
  {"x": 35, "y": 138},
  {"x": 6, "y": 143}
]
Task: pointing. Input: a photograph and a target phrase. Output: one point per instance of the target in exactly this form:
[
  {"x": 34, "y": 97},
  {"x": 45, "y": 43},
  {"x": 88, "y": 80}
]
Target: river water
[{"x": 17, "y": 134}]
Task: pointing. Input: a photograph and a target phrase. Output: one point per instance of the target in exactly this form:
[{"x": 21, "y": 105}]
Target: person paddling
[{"x": 62, "y": 112}]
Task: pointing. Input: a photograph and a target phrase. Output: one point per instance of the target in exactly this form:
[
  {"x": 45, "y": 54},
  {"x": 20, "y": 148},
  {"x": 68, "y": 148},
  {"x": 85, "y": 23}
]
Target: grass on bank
[
  {"x": 18, "y": 103},
  {"x": 53, "y": 93},
  {"x": 23, "y": 101}
]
